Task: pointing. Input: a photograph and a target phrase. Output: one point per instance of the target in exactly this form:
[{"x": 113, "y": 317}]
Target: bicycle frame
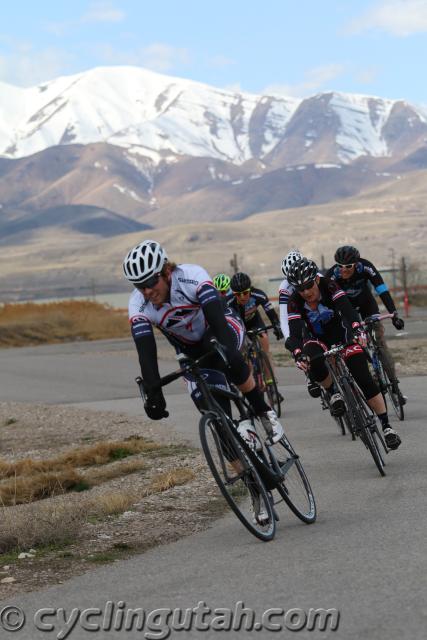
[
  {"x": 373, "y": 348},
  {"x": 262, "y": 369},
  {"x": 387, "y": 380},
  {"x": 255, "y": 349}
]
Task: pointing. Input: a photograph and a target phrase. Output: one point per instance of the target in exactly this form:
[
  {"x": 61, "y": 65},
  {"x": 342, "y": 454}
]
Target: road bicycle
[
  {"x": 383, "y": 374},
  {"x": 255, "y": 479},
  {"x": 262, "y": 369},
  {"x": 359, "y": 417}
]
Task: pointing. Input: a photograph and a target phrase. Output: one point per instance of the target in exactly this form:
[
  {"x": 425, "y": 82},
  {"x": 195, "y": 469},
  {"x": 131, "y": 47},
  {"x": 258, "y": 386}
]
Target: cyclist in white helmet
[
  {"x": 182, "y": 302},
  {"x": 285, "y": 291}
]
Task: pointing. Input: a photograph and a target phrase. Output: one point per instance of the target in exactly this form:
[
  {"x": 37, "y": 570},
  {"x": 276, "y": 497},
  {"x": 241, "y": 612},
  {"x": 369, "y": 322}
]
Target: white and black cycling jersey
[{"x": 182, "y": 317}]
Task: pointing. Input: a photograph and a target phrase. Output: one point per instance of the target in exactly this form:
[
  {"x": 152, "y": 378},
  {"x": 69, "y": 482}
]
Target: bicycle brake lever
[
  {"x": 140, "y": 382},
  {"x": 181, "y": 357},
  {"x": 220, "y": 350}
]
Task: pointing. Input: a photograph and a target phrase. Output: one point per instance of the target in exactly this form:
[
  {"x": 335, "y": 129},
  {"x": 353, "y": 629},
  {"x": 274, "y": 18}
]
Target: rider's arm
[
  {"x": 294, "y": 342},
  {"x": 263, "y": 300},
  {"x": 284, "y": 294},
  {"x": 142, "y": 333},
  {"x": 342, "y": 303},
  {"x": 380, "y": 286},
  {"x": 213, "y": 311}
]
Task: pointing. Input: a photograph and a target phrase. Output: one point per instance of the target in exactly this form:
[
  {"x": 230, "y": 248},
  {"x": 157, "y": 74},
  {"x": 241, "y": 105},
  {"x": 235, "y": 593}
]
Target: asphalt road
[{"x": 365, "y": 556}]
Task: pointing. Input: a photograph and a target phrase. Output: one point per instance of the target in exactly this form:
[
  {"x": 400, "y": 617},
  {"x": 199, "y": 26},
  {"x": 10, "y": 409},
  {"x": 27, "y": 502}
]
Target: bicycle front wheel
[
  {"x": 295, "y": 487},
  {"x": 270, "y": 383},
  {"x": 236, "y": 477},
  {"x": 341, "y": 421},
  {"x": 361, "y": 420}
]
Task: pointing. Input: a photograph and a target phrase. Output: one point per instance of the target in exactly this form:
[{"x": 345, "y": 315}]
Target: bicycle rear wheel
[
  {"x": 295, "y": 487},
  {"x": 395, "y": 395},
  {"x": 236, "y": 477},
  {"x": 269, "y": 383}
]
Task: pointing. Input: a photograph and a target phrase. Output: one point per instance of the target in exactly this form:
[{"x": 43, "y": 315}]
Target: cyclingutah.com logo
[{"x": 158, "y": 624}]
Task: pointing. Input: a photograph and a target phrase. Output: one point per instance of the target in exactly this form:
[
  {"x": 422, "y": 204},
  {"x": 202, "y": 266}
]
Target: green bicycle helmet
[{"x": 221, "y": 282}]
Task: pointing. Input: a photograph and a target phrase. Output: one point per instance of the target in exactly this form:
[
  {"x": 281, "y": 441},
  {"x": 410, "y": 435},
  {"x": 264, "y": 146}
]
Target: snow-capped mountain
[
  {"x": 87, "y": 159},
  {"x": 161, "y": 118},
  {"x": 147, "y": 113},
  {"x": 114, "y": 148}
]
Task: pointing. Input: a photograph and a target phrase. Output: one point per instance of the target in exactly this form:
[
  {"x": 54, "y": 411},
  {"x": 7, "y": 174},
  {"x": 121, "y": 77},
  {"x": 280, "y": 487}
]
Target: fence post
[
  {"x": 233, "y": 263},
  {"x": 405, "y": 287}
]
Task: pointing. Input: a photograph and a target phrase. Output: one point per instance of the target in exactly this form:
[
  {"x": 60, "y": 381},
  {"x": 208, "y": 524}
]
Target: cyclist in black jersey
[
  {"x": 354, "y": 275},
  {"x": 181, "y": 301},
  {"x": 247, "y": 300},
  {"x": 320, "y": 314}
]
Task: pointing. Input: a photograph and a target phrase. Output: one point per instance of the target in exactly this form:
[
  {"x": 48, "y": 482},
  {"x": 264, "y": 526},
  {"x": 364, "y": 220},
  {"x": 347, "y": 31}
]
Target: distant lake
[{"x": 116, "y": 300}]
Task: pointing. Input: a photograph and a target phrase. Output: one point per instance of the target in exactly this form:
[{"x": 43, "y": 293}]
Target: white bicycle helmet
[
  {"x": 289, "y": 260},
  {"x": 144, "y": 261}
]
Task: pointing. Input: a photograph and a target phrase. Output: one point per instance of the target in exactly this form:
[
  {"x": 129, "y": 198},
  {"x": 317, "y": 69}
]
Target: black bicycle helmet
[
  {"x": 347, "y": 255},
  {"x": 302, "y": 272},
  {"x": 240, "y": 282}
]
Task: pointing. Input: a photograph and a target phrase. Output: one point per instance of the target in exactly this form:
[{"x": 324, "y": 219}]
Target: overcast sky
[{"x": 290, "y": 47}]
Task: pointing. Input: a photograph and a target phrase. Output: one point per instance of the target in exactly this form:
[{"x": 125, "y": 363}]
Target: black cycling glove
[
  {"x": 277, "y": 332},
  {"x": 155, "y": 406},
  {"x": 301, "y": 360},
  {"x": 398, "y": 323}
]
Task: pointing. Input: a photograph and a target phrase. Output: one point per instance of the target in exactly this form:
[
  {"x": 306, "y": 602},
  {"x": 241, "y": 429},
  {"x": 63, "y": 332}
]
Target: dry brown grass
[
  {"x": 97, "y": 454},
  {"x": 169, "y": 479},
  {"x": 30, "y": 480},
  {"x": 113, "y": 502},
  {"x": 38, "y": 486},
  {"x": 98, "y": 476},
  {"x": 60, "y": 521},
  {"x": 30, "y": 323},
  {"x": 41, "y": 524}
]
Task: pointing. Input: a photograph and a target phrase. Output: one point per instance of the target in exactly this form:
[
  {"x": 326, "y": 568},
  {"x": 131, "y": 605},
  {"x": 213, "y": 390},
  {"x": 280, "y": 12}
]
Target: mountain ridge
[{"x": 115, "y": 150}]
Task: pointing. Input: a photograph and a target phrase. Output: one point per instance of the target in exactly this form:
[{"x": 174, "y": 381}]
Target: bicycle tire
[
  {"x": 394, "y": 394},
  {"x": 372, "y": 445},
  {"x": 295, "y": 488},
  {"x": 389, "y": 385},
  {"x": 361, "y": 423},
  {"x": 271, "y": 389},
  {"x": 237, "y": 486}
]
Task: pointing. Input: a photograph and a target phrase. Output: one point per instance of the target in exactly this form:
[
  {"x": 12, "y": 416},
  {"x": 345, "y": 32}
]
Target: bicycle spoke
[
  {"x": 295, "y": 488},
  {"x": 237, "y": 480}
]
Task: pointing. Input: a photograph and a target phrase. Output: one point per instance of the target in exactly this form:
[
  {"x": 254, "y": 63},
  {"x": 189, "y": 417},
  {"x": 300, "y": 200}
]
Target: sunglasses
[
  {"x": 346, "y": 266},
  {"x": 148, "y": 284},
  {"x": 241, "y": 293},
  {"x": 305, "y": 287}
]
